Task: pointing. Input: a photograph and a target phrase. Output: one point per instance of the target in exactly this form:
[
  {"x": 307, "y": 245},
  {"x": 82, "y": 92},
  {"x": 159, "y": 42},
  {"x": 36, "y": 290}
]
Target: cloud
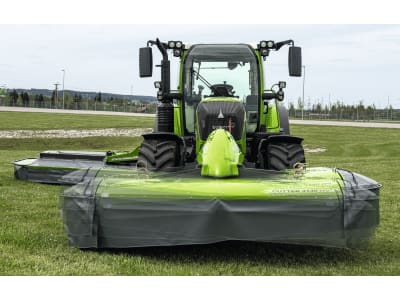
[{"x": 348, "y": 61}]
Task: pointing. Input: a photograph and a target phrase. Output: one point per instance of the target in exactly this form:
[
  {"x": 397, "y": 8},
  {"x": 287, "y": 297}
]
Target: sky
[{"x": 349, "y": 63}]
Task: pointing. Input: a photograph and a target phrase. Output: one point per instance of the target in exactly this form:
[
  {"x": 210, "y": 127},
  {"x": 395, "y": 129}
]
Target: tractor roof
[
  {"x": 252, "y": 44},
  {"x": 205, "y": 52}
]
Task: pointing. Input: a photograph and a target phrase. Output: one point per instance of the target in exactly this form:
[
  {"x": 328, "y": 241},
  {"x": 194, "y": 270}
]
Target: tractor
[
  {"x": 220, "y": 165},
  {"x": 220, "y": 99}
]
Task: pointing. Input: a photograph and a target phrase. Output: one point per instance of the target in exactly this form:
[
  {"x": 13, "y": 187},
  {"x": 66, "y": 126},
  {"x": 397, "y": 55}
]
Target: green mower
[{"x": 220, "y": 165}]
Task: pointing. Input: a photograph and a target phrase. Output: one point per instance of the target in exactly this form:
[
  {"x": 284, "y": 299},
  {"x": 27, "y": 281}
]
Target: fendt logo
[{"x": 220, "y": 115}]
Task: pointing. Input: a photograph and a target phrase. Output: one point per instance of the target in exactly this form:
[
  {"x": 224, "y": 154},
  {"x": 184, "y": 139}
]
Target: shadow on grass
[{"x": 257, "y": 252}]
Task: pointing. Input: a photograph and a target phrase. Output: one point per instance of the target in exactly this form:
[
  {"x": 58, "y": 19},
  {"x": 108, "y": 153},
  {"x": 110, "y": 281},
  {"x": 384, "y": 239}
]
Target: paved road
[
  {"x": 70, "y": 111},
  {"x": 349, "y": 124},
  {"x": 300, "y": 122}
]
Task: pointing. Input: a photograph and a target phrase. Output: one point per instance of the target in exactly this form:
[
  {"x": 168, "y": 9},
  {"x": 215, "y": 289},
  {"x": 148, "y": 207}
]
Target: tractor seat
[{"x": 222, "y": 90}]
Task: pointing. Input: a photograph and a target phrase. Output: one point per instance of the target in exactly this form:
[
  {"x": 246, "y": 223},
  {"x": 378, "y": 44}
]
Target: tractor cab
[{"x": 220, "y": 83}]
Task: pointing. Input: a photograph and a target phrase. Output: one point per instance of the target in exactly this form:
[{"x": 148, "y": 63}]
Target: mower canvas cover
[{"x": 113, "y": 208}]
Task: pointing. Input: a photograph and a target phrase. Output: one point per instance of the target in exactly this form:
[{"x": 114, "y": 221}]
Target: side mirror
[
  {"x": 295, "y": 65},
  {"x": 145, "y": 62}
]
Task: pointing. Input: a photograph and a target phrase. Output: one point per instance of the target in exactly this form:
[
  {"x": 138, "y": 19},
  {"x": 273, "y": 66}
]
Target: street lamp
[
  {"x": 304, "y": 82},
  {"x": 63, "y": 87}
]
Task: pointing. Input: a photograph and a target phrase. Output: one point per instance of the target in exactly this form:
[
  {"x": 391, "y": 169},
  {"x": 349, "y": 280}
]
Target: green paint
[
  {"x": 220, "y": 156},
  {"x": 221, "y": 99},
  {"x": 178, "y": 128},
  {"x": 317, "y": 184},
  {"x": 178, "y": 105},
  {"x": 131, "y": 156},
  {"x": 272, "y": 119},
  {"x": 262, "y": 116}
]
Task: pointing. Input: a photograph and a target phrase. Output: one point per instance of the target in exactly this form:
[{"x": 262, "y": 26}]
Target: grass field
[
  {"x": 18, "y": 120},
  {"x": 32, "y": 240}
]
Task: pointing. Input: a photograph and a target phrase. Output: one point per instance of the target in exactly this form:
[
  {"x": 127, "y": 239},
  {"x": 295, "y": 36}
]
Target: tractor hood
[
  {"x": 223, "y": 99},
  {"x": 225, "y": 113}
]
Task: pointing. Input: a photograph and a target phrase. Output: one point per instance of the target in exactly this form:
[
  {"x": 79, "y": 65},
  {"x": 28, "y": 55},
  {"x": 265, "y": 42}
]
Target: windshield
[{"x": 219, "y": 71}]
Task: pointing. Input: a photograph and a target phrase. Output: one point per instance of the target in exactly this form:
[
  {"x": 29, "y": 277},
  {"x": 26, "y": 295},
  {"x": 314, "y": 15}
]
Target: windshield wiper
[{"x": 203, "y": 80}]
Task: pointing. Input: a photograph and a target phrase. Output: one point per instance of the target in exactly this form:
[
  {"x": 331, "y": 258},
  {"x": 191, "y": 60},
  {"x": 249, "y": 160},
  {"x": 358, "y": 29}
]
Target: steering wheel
[{"x": 222, "y": 90}]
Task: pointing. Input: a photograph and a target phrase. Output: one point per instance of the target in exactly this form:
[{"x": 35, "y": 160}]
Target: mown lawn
[
  {"x": 45, "y": 121},
  {"x": 32, "y": 240}
]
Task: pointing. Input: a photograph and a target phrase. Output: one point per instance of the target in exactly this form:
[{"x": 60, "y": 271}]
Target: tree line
[
  {"x": 75, "y": 101},
  {"x": 334, "y": 111},
  {"x": 341, "y": 111}
]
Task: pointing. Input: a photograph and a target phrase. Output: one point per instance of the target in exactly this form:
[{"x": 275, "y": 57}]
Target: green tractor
[
  {"x": 220, "y": 165},
  {"x": 220, "y": 118}
]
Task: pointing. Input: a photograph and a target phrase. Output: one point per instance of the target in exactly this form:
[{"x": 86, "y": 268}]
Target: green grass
[
  {"x": 43, "y": 121},
  {"x": 32, "y": 239}
]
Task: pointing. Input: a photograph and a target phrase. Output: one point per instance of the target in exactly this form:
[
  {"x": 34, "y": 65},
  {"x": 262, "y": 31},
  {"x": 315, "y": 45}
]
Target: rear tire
[
  {"x": 281, "y": 156},
  {"x": 156, "y": 155}
]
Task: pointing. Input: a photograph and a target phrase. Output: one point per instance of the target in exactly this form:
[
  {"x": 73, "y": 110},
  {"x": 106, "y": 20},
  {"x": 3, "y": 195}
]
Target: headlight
[
  {"x": 264, "y": 52},
  {"x": 177, "y": 52},
  {"x": 171, "y": 44},
  {"x": 280, "y": 95},
  {"x": 270, "y": 44},
  {"x": 263, "y": 44},
  {"x": 157, "y": 84},
  {"x": 178, "y": 45}
]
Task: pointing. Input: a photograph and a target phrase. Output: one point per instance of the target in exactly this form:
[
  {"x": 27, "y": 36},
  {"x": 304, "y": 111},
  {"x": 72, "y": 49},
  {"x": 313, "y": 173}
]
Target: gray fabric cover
[
  {"x": 100, "y": 221},
  {"x": 52, "y": 170}
]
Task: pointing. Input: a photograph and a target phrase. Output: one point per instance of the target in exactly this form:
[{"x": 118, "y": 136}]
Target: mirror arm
[
  {"x": 151, "y": 43},
  {"x": 165, "y": 69},
  {"x": 279, "y": 45},
  {"x": 269, "y": 95},
  {"x": 174, "y": 95},
  {"x": 162, "y": 49},
  {"x": 160, "y": 45}
]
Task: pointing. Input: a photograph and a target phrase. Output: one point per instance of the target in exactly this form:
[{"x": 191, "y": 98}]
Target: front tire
[
  {"x": 281, "y": 156},
  {"x": 157, "y": 155}
]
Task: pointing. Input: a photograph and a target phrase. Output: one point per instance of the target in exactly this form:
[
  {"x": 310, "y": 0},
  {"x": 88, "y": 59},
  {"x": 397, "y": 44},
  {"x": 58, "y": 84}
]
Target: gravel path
[
  {"x": 70, "y": 111},
  {"x": 73, "y": 133}
]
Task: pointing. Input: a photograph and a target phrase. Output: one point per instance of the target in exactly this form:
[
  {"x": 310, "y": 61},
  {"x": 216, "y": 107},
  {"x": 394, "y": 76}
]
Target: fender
[
  {"x": 164, "y": 136},
  {"x": 281, "y": 138}
]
